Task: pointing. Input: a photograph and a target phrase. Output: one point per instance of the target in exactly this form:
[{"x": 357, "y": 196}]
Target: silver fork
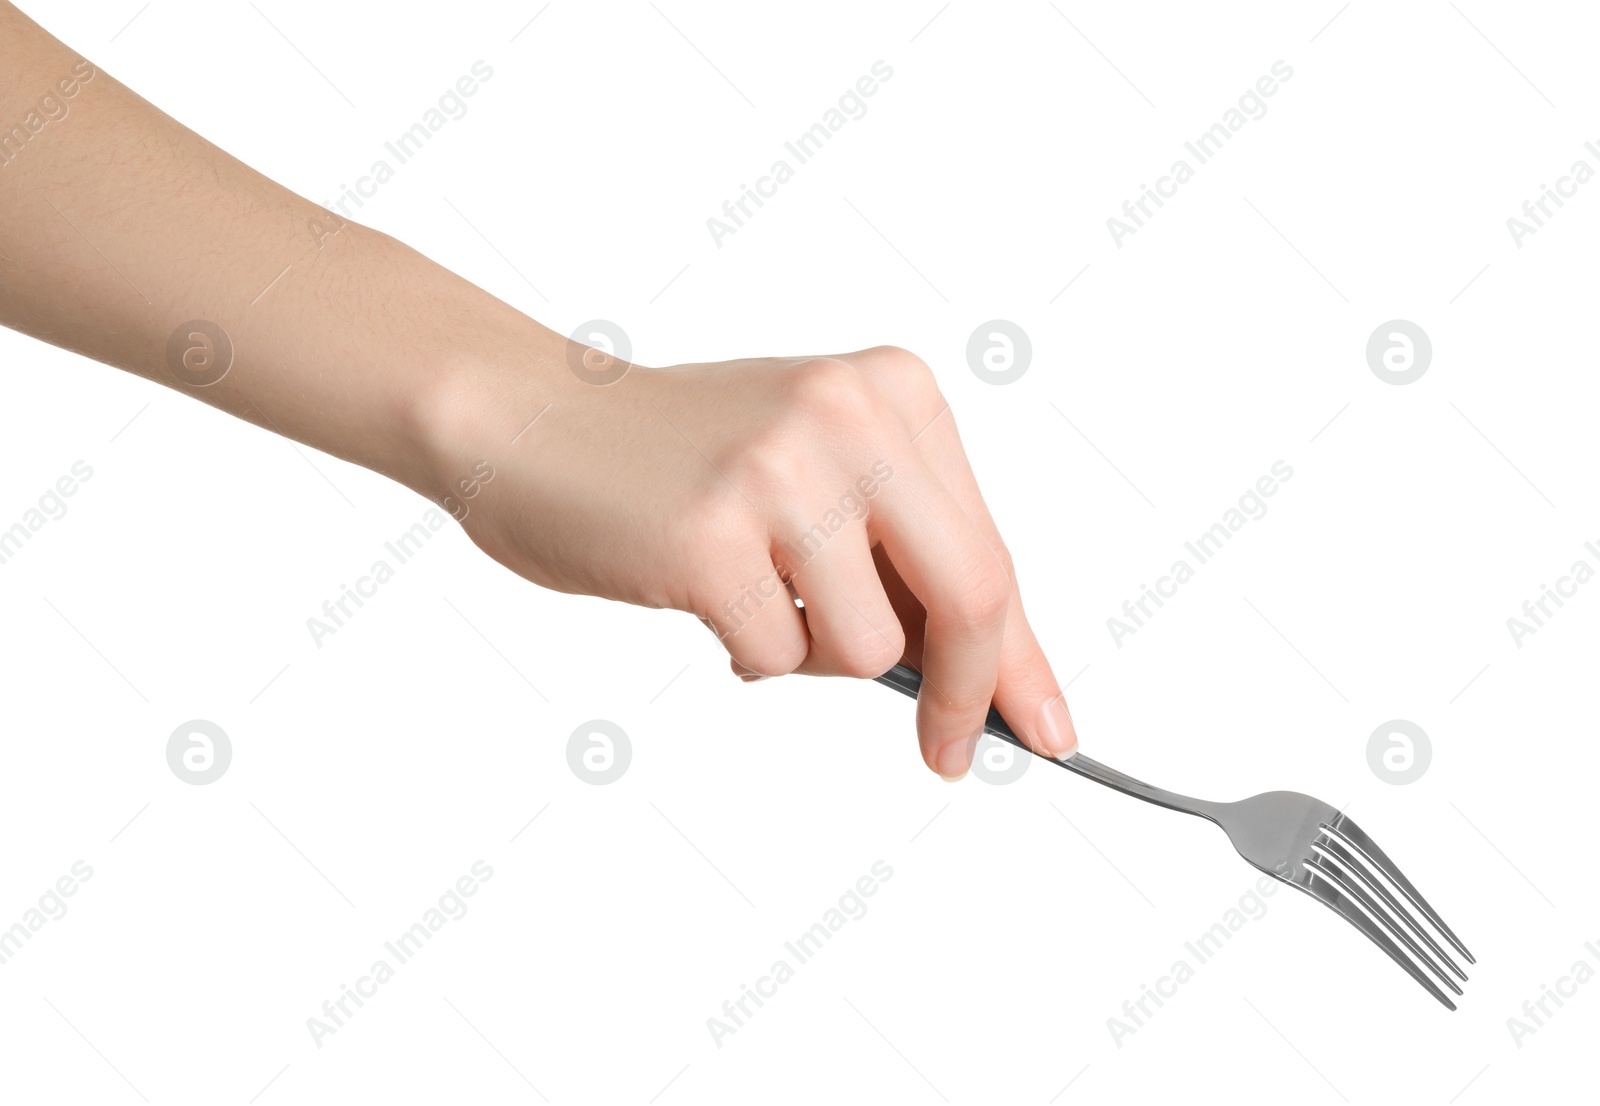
[{"x": 1302, "y": 841}]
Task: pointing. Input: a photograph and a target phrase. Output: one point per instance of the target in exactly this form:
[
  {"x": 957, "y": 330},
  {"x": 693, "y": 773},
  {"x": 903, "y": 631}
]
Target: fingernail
[
  {"x": 752, "y": 677},
  {"x": 1055, "y": 728},
  {"x": 955, "y": 759}
]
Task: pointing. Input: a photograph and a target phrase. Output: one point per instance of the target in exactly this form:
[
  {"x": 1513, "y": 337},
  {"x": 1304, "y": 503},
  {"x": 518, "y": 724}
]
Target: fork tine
[
  {"x": 1379, "y": 860},
  {"x": 1325, "y": 889},
  {"x": 1350, "y": 860},
  {"x": 1354, "y": 889}
]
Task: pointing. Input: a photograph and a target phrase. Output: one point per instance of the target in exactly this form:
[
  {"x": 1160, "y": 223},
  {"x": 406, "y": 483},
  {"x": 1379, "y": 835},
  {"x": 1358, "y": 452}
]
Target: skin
[{"x": 118, "y": 225}]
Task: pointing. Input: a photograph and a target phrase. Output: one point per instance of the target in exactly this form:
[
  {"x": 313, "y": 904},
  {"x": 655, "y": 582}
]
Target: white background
[{"x": 369, "y": 774}]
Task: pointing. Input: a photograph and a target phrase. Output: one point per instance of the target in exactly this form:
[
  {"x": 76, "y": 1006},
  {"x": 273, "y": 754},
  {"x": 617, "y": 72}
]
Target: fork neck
[
  {"x": 1120, "y": 781},
  {"x": 908, "y": 681}
]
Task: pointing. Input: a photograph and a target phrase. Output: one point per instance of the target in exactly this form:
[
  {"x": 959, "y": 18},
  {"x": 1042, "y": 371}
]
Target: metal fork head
[
  {"x": 1303, "y": 842},
  {"x": 1310, "y": 845}
]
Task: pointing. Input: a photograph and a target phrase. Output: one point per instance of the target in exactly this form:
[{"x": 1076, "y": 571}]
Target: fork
[{"x": 1301, "y": 841}]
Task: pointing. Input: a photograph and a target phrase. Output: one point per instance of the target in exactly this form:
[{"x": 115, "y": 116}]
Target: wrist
[{"x": 479, "y": 405}]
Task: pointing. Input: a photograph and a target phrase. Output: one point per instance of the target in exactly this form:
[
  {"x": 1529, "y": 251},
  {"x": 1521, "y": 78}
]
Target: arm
[{"x": 714, "y": 489}]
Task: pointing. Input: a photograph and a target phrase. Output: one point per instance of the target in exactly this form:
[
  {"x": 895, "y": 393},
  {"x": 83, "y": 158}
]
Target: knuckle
[
  {"x": 894, "y": 359},
  {"x": 751, "y": 623},
  {"x": 952, "y": 711},
  {"x": 960, "y": 708},
  {"x": 830, "y": 391},
  {"x": 980, "y": 602},
  {"x": 907, "y": 382},
  {"x": 717, "y": 519},
  {"x": 1008, "y": 566},
  {"x": 872, "y": 653},
  {"x": 902, "y": 370},
  {"x": 767, "y": 465},
  {"x": 775, "y": 657}
]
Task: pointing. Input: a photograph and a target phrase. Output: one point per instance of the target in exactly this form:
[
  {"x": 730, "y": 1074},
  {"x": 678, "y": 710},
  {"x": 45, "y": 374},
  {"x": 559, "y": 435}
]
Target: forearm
[
  {"x": 330, "y": 332},
  {"x": 709, "y": 488}
]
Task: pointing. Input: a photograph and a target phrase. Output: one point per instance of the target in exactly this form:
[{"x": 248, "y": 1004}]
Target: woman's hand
[
  {"x": 726, "y": 489},
  {"x": 712, "y": 489}
]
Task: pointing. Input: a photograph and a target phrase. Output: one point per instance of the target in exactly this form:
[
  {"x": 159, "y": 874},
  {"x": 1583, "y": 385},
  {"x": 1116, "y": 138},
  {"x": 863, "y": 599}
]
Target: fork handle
[{"x": 908, "y": 681}]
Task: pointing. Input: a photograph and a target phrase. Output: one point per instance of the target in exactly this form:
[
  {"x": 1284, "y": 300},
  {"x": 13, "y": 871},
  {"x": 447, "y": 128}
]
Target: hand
[
  {"x": 726, "y": 489},
  {"x": 713, "y": 489}
]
